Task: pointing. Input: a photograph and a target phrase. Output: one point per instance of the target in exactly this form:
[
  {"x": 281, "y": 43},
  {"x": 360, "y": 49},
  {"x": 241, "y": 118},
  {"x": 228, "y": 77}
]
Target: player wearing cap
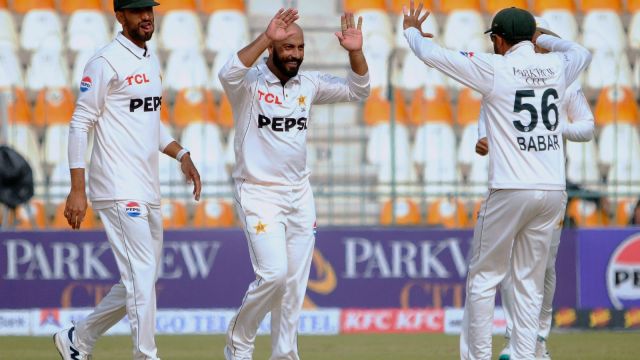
[
  {"x": 524, "y": 103},
  {"x": 120, "y": 98},
  {"x": 271, "y": 103},
  {"x": 579, "y": 129}
]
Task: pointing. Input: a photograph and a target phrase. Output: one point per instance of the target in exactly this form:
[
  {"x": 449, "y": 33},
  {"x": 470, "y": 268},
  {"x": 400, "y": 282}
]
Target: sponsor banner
[
  {"x": 351, "y": 268},
  {"x": 173, "y": 322},
  {"x": 15, "y": 322},
  {"x": 392, "y": 321},
  {"x": 601, "y": 318},
  {"x": 453, "y": 321},
  {"x": 609, "y": 272}
]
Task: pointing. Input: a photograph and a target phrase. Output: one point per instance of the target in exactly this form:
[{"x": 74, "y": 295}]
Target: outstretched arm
[{"x": 277, "y": 30}]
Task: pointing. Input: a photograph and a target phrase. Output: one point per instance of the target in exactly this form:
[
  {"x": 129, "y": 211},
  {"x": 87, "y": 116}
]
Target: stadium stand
[{"x": 87, "y": 30}]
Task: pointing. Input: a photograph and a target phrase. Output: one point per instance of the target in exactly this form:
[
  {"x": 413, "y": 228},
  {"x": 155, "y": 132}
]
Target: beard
[
  {"x": 279, "y": 62},
  {"x": 137, "y": 33}
]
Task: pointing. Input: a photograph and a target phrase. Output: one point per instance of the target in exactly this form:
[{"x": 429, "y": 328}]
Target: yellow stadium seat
[
  {"x": 451, "y": 5},
  {"x": 588, "y": 5},
  {"x": 357, "y": 5},
  {"x": 405, "y": 212},
  {"x": 53, "y": 106},
  {"x": 493, "y": 6},
  {"x": 395, "y": 6},
  {"x": 624, "y": 210},
  {"x": 18, "y": 109},
  {"x": 616, "y": 105},
  {"x": 213, "y": 213},
  {"x": 468, "y": 108},
  {"x": 225, "y": 114},
  {"x": 60, "y": 222},
  {"x": 169, "y": 5},
  {"x": 377, "y": 108},
  {"x": 434, "y": 106},
  {"x": 22, "y": 6},
  {"x": 544, "y": 5},
  {"x": 174, "y": 214},
  {"x": 69, "y": 6},
  {"x": 586, "y": 214},
  {"x": 192, "y": 105},
  {"x": 447, "y": 212},
  {"x": 211, "y": 6}
]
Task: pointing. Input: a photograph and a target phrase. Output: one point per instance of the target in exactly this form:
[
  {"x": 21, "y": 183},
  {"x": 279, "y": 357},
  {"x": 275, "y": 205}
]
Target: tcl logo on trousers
[
  {"x": 280, "y": 124},
  {"x": 147, "y": 104}
]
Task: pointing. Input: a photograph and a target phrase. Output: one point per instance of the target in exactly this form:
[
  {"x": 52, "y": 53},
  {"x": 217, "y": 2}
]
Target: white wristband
[{"x": 181, "y": 154}]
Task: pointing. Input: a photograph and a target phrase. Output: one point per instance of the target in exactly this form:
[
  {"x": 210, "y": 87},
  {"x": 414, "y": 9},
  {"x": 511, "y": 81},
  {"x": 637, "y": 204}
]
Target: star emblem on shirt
[
  {"x": 260, "y": 227},
  {"x": 302, "y": 101}
]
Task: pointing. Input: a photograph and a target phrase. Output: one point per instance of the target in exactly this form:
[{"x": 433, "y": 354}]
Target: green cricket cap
[
  {"x": 132, "y": 4},
  {"x": 513, "y": 24}
]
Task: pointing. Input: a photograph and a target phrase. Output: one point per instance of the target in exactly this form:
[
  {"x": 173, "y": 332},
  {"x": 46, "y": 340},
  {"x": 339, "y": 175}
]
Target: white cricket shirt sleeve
[
  {"x": 232, "y": 77},
  {"x": 165, "y": 138},
  {"x": 581, "y": 125},
  {"x": 576, "y": 58},
  {"x": 88, "y": 108},
  {"x": 474, "y": 70},
  {"x": 333, "y": 89},
  {"x": 482, "y": 124}
]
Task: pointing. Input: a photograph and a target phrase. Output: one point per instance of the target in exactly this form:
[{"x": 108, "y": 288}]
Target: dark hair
[{"x": 632, "y": 221}]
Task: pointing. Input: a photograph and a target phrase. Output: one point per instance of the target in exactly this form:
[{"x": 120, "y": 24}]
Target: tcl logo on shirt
[
  {"x": 269, "y": 98},
  {"x": 281, "y": 124},
  {"x": 137, "y": 79},
  {"x": 392, "y": 320},
  {"x": 151, "y": 103}
]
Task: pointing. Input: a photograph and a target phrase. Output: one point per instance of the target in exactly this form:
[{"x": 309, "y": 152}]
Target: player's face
[
  {"x": 137, "y": 23},
  {"x": 287, "y": 55}
]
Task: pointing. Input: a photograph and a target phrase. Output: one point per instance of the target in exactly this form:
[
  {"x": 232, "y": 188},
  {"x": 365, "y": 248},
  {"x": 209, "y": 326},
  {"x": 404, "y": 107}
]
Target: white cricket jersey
[
  {"x": 271, "y": 120},
  {"x": 120, "y": 95},
  {"x": 523, "y": 99},
  {"x": 580, "y": 124}
]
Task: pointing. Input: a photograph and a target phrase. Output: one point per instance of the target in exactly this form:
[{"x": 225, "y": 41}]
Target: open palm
[
  {"x": 278, "y": 28},
  {"x": 351, "y": 35}
]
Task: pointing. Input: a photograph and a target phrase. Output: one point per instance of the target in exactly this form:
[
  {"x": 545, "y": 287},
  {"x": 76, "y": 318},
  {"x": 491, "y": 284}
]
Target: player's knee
[{"x": 276, "y": 277}]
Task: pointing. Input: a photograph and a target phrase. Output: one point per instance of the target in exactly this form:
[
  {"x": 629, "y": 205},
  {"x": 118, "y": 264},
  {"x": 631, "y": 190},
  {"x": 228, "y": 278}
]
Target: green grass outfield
[{"x": 575, "y": 345}]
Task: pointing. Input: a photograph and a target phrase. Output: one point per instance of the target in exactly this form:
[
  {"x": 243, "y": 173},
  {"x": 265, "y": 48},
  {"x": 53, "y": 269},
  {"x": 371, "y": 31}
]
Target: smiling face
[
  {"x": 137, "y": 24},
  {"x": 287, "y": 55}
]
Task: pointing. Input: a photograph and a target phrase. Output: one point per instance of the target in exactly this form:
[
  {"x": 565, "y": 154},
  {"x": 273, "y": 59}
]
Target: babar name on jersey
[{"x": 538, "y": 143}]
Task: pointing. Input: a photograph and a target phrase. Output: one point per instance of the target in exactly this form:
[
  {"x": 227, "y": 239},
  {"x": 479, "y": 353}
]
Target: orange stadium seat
[
  {"x": 395, "y": 6},
  {"x": 476, "y": 211},
  {"x": 213, "y": 213},
  {"x": 53, "y": 106},
  {"x": 174, "y": 214},
  {"x": 170, "y": 5},
  {"x": 616, "y": 105},
  {"x": 493, "y": 6},
  {"x": 60, "y": 222},
  {"x": 586, "y": 214},
  {"x": 430, "y": 105},
  {"x": 23, "y": 220},
  {"x": 377, "y": 108},
  {"x": 468, "y": 108},
  {"x": 624, "y": 210},
  {"x": 22, "y": 6},
  {"x": 165, "y": 115},
  {"x": 3, "y": 4},
  {"x": 69, "y": 6},
  {"x": 447, "y": 212},
  {"x": 633, "y": 6},
  {"x": 544, "y": 5},
  {"x": 193, "y": 105},
  {"x": 403, "y": 211},
  {"x": 357, "y": 5},
  {"x": 18, "y": 109},
  {"x": 451, "y": 5},
  {"x": 225, "y": 114},
  {"x": 589, "y": 5},
  {"x": 211, "y": 6}
]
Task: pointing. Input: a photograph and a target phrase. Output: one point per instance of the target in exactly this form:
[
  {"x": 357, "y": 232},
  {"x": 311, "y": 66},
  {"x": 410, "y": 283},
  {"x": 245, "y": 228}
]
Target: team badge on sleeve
[
  {"x": 132, "y": 209},
  {"x": 468, "y": 54},
  {"x": 85, "y": 84}
]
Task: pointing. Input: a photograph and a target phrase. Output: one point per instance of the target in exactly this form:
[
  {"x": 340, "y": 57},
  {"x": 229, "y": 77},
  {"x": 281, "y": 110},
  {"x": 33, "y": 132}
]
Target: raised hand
[
  {"x": 351, "y": 36},
  {"x": 278, "y": 28},
  {"x": 412, "y": 18}
]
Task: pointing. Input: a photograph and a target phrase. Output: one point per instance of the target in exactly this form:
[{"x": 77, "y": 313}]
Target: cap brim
[
  {"x": 140, "y": 5},
  {"x": 547, "y": 32}
]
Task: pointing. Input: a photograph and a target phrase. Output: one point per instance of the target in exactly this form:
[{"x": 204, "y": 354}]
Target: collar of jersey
[
  {"x": 271, "y": 77},
  {"x": 135, "y": 49},
  {"x": 521, "y": 46}
]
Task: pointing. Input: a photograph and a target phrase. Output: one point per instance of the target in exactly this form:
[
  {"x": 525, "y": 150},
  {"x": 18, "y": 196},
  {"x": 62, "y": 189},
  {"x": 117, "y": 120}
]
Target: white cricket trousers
[
  {"x": 279, "y": 225},
  {"x": 546, "y": 311},
  {"x": 512, "y": 235},
  {"x": 136, "y": 241}
]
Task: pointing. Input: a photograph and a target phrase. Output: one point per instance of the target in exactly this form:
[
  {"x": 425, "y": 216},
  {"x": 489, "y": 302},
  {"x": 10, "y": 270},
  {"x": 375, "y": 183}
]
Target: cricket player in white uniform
[
  {"x": 523, "y": 99},
  {"x": 271, "y": 102},
  {"x": 579, "y": 128},
  {"x": 120, "y": 98}
]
